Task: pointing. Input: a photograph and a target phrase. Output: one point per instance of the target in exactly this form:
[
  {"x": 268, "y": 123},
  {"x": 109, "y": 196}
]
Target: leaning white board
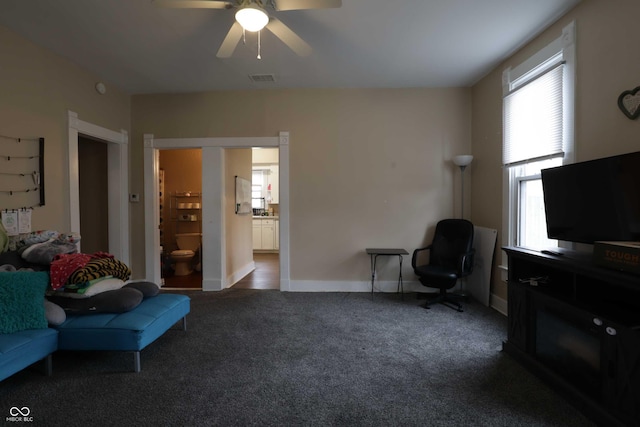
[{"x": 479, "y": 282}]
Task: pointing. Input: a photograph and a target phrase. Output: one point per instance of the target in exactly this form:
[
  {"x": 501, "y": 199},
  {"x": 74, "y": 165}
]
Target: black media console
[{"x": 577, "y": 326}]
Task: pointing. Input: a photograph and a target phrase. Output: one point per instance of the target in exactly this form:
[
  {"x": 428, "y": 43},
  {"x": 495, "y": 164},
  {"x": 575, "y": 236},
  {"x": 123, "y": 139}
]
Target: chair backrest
[{"x": 452, "y": 239}]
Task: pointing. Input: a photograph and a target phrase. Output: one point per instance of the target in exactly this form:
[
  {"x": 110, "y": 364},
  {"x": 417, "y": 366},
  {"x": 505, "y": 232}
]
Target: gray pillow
[
  {"x": 148, "y": 289},
  {"x": 43, "y": 253},
  {"x": 116, "y": 301},
  {"x": 54, "y": 314}
]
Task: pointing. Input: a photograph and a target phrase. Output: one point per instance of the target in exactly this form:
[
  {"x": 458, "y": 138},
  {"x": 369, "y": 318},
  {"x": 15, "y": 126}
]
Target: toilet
[{"x": 188, "y": 243}]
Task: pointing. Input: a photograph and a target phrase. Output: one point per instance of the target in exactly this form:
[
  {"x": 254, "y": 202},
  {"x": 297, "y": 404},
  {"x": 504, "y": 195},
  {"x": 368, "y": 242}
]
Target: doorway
[
  {"x": 180, "y": 205},
  {"x": 118, "y": 182},
  {"x": 265, "y": 202},
  {"x": 213, "y": 203},
  {"x": 93, "y": 191}
]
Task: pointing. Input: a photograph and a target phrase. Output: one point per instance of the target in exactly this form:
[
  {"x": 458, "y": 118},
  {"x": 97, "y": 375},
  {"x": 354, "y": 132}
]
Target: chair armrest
[
  {"x": 465, "y": 266},
  {"x": 414, "y": 257}
]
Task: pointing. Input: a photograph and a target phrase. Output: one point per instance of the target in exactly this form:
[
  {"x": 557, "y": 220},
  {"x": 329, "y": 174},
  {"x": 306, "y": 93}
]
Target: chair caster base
[{"x": 447, "y": 303}]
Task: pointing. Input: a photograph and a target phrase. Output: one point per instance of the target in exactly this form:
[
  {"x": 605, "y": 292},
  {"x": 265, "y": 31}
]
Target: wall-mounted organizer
[
  {"x": 21, "y": 172},
  {"x": 185, "y": 207}
]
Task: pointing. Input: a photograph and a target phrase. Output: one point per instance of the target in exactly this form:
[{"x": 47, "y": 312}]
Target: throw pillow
[
  {"x": 148, "y": 289},
  {"x": 22, "y": 300},
  {"x": 44, "y": 253},
  {"x": 54, "y": 314},
  {"x": 118, "y": 301}
]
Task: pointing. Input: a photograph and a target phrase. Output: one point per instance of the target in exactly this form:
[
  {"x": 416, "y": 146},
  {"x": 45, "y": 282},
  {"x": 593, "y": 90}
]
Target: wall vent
[{"x": 262, "y": 78}]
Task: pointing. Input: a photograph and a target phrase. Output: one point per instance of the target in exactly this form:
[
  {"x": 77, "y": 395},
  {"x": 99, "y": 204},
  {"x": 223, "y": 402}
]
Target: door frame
[
  {"x": 118, "y": 182},
  {"x": 214, "y": 276}
]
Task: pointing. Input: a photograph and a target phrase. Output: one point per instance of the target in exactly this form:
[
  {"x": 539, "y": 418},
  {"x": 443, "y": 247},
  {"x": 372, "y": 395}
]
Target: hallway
[{"x": 265, "y": 276}]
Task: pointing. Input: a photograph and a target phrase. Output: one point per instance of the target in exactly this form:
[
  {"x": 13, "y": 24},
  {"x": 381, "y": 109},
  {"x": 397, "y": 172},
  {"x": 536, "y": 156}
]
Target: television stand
[{"x": 578, "y": 328}]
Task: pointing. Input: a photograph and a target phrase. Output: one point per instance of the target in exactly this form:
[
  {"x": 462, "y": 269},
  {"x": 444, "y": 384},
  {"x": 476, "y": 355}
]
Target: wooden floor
[{"x": 265, "y": 276}]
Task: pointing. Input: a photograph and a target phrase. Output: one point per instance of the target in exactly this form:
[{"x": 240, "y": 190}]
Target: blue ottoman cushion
[
  {"x": 21, "y": 349},
  {"x": 130, "y": 331}
]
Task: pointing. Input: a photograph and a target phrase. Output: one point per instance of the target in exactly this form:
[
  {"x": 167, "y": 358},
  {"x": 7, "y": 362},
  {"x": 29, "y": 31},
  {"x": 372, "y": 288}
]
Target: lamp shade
[
  {"x": 252, "y": 18},
  {"x": 463, "y": 160}
]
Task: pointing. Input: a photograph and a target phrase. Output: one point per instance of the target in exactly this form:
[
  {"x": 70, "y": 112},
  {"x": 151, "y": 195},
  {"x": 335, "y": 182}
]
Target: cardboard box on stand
[{"x": 624, "y": 256}]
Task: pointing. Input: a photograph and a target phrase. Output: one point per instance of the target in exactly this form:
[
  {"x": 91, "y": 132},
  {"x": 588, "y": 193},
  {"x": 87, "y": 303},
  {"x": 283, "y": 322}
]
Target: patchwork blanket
[{"x": 65, "y": 265}]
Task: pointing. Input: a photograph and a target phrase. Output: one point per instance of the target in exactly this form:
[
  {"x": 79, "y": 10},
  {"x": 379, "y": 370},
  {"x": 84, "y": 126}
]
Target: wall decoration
[
  {"x": 243, "y": 196},
  {"x": 629, "y": 103},
  {"x": 21, "y": 172}
]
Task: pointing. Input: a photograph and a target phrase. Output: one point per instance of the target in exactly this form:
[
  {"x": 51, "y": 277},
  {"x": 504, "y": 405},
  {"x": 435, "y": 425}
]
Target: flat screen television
[{"x": 594, "y": 200}]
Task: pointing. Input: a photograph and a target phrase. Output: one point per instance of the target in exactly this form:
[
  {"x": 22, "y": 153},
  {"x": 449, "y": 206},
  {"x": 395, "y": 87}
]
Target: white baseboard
[
  {"x": 390, "y": 286},
  {"x": 499, "y": 304},
  {"x": 240, "y": 273},
  {"x": 351, "y": 286},
  {"x": 211, "y": 284}
]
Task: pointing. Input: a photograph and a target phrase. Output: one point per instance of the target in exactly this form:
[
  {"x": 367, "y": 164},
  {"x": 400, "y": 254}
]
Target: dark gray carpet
[{"x": 270, "y": 358}]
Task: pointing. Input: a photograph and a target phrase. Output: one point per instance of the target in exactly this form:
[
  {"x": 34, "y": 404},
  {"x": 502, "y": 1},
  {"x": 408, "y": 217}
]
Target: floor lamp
[{"x": 462, "y": 161}]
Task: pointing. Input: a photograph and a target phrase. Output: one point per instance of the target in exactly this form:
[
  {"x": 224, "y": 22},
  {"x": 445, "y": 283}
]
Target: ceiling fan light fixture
[{"x": 252, "y": 18}]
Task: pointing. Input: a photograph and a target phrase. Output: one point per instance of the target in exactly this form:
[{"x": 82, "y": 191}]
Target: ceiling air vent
[{"x": 262, "y": 78}]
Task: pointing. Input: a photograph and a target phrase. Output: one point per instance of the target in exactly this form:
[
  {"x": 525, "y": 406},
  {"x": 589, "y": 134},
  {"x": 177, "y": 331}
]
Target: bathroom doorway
[{"x": 180, "y": 205}]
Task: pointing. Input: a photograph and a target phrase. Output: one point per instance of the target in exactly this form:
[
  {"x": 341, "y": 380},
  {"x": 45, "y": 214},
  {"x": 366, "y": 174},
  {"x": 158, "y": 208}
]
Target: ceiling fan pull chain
[
  {"x": 259, "y": 56},
  {"x": 244, "y": 37}
]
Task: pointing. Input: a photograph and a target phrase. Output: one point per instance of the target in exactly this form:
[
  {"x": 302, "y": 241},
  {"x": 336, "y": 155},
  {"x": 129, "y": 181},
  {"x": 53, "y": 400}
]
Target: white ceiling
[{"x": 367, "y": 43}]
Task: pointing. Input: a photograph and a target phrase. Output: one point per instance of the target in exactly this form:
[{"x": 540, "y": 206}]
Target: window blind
[{"x": 533, "y": 120}]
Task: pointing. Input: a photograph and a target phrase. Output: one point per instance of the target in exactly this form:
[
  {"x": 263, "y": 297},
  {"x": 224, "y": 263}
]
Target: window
[
  {"x": 257, "y": 185},
  {"x": 537, "y": 134}
]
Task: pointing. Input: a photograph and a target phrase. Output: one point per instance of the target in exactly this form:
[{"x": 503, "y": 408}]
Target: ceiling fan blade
[
  {"x": 193, "y": 4},
  {"x": 230, "y": 41},
  {"x": 306, "y": 4},
  {"x": 288, "y": 37}
]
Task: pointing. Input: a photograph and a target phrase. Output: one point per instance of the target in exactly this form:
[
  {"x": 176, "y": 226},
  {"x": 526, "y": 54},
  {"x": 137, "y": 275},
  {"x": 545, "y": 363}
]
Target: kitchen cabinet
[
  {"x": 264, "y": 234},
  {"x": 268, "y": 233},
  {"x": 257, "y": 234}
]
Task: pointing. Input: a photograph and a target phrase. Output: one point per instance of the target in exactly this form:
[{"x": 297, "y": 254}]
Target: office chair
[{"x": 450, "y": 258}]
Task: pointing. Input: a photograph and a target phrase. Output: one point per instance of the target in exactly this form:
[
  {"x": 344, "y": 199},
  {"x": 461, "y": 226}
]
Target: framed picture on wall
[{"x": 243, "y": 196}]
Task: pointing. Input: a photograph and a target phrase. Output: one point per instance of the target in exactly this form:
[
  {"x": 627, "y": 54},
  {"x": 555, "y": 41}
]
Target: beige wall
[
  {"x": 266, "y": 156},
  {"x": 38, "y": 88},
  {"x": 607, "y": 64},
  {"x": 239, "y": 238},
  {"x": 367, "y": 167}
]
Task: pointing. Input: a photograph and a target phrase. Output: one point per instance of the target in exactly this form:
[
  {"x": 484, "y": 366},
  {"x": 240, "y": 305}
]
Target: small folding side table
[{"x": 374, "y": 253}]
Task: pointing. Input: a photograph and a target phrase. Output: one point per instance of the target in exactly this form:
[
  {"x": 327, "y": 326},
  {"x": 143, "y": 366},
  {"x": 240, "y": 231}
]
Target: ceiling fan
[{"x": 253, "y": 16}]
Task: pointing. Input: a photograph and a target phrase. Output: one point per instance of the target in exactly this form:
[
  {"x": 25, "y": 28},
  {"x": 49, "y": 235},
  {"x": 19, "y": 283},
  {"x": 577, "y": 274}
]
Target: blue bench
[
  {"x": 24, "y": 348},
  {"x": 131, "y": 331}
]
